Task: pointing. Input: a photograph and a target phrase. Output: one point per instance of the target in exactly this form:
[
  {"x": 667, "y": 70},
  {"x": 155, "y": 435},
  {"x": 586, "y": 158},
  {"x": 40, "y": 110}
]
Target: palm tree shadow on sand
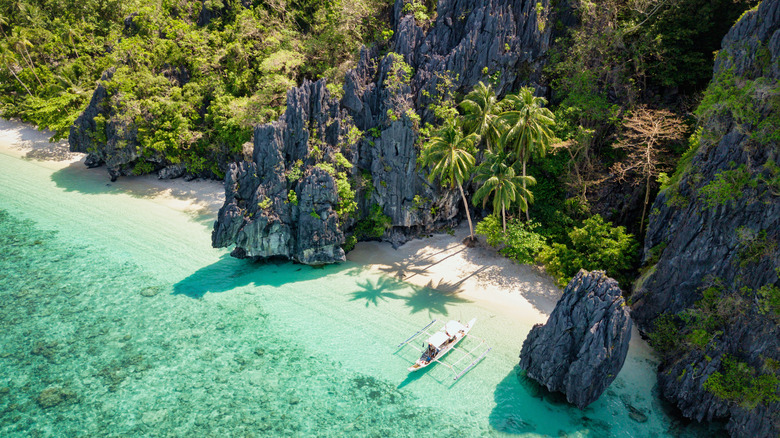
[
  {"x": 374, "y": 291},
  {"x": 434, "y": 298}
]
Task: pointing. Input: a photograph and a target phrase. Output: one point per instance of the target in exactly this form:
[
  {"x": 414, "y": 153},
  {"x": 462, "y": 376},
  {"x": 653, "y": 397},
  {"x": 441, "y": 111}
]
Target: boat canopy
[
  {"x": 454, "y": 327},
  {"x": 438, "y": 339}
]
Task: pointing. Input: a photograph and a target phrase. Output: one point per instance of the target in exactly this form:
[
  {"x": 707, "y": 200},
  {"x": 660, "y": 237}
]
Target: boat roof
[{"x": 440, "y": 338}]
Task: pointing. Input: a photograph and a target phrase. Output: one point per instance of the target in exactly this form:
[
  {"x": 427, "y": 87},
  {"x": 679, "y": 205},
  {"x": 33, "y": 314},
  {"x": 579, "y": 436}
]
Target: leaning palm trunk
[
  {"x": 527, "y": 215},
  {"x": 32, "y": 67},
  {"x": 503, "y": 216},
  {"x": 20, "y": 81},
  {"x": 468, "y": 214}
]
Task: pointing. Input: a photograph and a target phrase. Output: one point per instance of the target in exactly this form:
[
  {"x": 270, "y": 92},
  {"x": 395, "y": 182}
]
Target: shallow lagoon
[{"x": 119, "y": 319}]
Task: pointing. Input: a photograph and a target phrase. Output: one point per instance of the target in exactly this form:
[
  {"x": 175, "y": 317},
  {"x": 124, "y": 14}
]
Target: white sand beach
[
  {"x": 440, "y": 262},
  {"x": 199, "y": 197}
]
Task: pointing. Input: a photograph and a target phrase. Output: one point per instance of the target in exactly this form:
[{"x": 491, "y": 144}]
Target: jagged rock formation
[
  {"x": 583, "y": 345},
  {"x": 259, "y": 215},
  {"x": 470, "y": 41},
  {"x": 711, "y": 248},
  {"x": 109, "y": 136}
]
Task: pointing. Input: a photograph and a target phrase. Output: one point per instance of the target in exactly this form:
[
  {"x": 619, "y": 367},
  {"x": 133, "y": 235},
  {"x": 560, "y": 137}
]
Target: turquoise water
[{"x": 119, "y": 319}]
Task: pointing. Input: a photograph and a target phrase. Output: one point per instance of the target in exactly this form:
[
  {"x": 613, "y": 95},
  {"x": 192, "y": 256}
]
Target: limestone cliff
[
  {"x": 583, "y": 345},
  {"x": 386, "y": 98},
  {"x": 709, "y": 297}
]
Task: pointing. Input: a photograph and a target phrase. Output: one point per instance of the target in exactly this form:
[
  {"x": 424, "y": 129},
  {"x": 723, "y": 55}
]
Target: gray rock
[
  {"x": 113, "y": 141},
  {"x": 583, "y": 345},
  {"x": 692, "y": 243},
  {"x": 469, "y": 41}
]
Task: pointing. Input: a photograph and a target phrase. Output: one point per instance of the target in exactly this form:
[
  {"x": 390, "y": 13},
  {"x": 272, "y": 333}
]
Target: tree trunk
[
  {"x": 644, "y": 208},
  {"x": 503, "y": 216},
  {"x": 468, "y": 214},
  {"x": 527, "y": 215},
  {"x": 32, "y": 67},
  {"x": 17, "y": 78}
]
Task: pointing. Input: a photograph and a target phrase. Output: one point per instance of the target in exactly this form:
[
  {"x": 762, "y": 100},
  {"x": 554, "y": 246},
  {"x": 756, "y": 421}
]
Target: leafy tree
[
  {"x": 528, "y": 128},
  {"x": 597, "y": 245},
  {"x": 450, "y": 158},
  {"x": 521, "y": 241}
]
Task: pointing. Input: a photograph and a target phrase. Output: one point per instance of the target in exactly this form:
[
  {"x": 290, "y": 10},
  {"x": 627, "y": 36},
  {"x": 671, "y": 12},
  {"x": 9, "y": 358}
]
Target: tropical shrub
[{"x": 597, "y": 245}]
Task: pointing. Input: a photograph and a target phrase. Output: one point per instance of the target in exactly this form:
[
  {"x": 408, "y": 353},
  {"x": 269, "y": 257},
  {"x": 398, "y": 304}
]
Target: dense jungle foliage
[
  {"x": 624, "y": 83},
  {"x": 194, "y": 76}
]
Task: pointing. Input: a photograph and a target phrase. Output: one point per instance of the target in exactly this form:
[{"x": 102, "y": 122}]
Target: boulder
[{"x": 583, "y": 345}]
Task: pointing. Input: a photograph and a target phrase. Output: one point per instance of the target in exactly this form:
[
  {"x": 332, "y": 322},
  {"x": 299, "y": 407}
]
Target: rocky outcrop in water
[
  {"x": 712, "y": 249},
  {"x": 583, "y": 345},
  {"x": 386, "y": 98}
]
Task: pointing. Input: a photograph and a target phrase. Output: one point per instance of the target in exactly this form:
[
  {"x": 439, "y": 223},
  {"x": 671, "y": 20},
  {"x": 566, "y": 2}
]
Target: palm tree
[
  {"x": 527, "y": 127},
  {"x": 7, "y": 58},
  {"x": 480, "y": 109},
  {"x": 21, "y": 43},
  {"x": 448, "y": 154},
  {"x": 499, "y": 179}
]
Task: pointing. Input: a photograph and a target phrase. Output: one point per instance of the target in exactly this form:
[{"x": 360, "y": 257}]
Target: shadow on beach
[
  {"x": 433, "y": 298},
  {"x": 205, "y": 196},
  {"x": 25, "y": 137},
  {"x": 229, "y": 273}
]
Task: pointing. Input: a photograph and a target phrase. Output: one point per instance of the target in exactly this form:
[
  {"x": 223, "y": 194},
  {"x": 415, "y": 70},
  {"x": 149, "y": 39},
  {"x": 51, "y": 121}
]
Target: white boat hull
[{"x": 424, "y": 361}]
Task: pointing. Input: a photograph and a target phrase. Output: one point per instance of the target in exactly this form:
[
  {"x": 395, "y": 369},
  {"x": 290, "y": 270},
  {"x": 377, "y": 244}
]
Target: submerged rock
[
  {"x": 53, "y": 396},
  {"x": 583, "y": 345}
]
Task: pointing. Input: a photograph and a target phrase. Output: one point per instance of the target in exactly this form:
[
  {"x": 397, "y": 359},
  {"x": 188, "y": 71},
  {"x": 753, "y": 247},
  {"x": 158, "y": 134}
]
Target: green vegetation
[
  {"x": 595, "y": 245},
  {"x": 727, "y": 187},
  {"x": 373, "y": 226},
  {"x": 520, "y": 241},
  {"x": 701, "y": 327},
  {"x": 192, "y": 92},
  {"x": 346, "y": 205},
  {"x": 740, "y": 383},
  {"x": 753, "y": 246},
  {"x": 265, "y": 203}
]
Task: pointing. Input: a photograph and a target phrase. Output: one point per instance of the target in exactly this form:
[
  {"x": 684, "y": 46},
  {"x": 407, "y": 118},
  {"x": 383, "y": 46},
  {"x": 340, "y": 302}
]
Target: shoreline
[
  {"x": 440, "y": 262},
  {"x": 201, "y": 198}
]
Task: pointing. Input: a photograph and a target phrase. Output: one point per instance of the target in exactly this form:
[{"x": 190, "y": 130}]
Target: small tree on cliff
[
  {"x": 528, "y": 128},
  {"x": 450, "y": 158},
  {"x": 646, "y": 129}
]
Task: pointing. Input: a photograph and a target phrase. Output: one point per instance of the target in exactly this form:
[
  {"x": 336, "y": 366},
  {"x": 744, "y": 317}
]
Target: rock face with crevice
[
  {"x": 712, "y": 248},
  {"x": 583, "y": 345},
  {"x": 469, "y": 41}
]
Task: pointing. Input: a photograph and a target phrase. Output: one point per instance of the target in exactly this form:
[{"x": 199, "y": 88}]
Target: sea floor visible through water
[{"x": 117, "y": 318}]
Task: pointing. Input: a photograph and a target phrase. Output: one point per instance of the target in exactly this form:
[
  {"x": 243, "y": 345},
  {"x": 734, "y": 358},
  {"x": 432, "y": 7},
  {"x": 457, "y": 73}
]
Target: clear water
[{"x": 117, "y": 318}]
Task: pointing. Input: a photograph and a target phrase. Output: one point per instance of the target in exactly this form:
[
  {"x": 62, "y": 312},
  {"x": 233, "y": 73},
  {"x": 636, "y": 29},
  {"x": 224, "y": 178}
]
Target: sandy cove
[{"x": 440, "y": 262}]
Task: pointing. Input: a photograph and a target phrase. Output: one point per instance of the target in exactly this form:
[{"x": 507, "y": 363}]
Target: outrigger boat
[{"x": 442, "y": 342}]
